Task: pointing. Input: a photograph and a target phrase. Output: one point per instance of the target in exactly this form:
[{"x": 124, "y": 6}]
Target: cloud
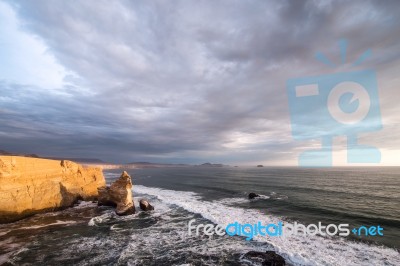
[
  {"x": 24, "y": 56},
  {"x": 179, "y": 81}
]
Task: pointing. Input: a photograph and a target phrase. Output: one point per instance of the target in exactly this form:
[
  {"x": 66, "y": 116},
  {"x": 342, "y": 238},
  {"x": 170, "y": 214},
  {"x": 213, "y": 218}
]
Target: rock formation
[
  {"x": 145, "y": 205},
  {"x": 119, "y": 195},
  {"x": 268, "y": 258},
  {"x": 32, "y": 185},
  {"x": 253, "y": 195}
]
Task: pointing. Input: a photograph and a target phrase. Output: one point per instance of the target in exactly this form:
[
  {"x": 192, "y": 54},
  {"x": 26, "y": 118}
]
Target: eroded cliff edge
[{"x": 32, "y": 185}]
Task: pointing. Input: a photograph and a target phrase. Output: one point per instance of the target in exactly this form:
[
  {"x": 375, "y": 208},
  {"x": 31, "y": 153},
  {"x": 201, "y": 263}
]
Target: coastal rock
[
  {"x": 268, "y": 258},
  {"x": 32, "y": 185},
  {"x": 119, "y": 195},
  {"x": 253, "y": 195},
  {"x": 104, "y": 198},
  {"x": 145, "y": 205}
]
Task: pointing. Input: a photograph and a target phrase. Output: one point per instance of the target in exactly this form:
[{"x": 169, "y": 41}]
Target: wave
[
  {"x": 160, "y": 237},
  {"x": 298, "y": 250}
]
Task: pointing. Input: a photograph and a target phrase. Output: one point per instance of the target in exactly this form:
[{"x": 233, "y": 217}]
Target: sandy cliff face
[{"x": 30, "y": 185}]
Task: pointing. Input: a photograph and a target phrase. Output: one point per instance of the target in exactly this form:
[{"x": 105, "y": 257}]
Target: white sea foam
[
  {"x": 99, "y": 219},
  {"x": 58, "y": 222},
  {"x": 264, "y": 197},
  {"x": 299, "y": 250},
  {"x": 4, "y": 232},
  {"x": 85, "y": 204},
  {"x": 169, "y": 239},
  {"x": 232, "y": 201}
]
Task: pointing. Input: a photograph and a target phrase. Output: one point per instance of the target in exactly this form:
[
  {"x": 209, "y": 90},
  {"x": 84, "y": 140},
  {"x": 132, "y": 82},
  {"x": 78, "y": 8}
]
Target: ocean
[{"x": 91, "y": 235}]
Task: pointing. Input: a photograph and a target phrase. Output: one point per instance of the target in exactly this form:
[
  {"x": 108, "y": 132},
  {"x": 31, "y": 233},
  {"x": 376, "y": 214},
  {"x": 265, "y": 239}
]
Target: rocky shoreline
[{"x": 33, "y": 185}]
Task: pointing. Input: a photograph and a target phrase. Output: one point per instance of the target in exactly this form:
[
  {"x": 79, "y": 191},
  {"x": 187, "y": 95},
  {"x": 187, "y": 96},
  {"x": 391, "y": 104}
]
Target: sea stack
[
  {"x": 145, "y": 205},
  {"x": 33, "y": 185},
  {"x": 119, "y": 195}
]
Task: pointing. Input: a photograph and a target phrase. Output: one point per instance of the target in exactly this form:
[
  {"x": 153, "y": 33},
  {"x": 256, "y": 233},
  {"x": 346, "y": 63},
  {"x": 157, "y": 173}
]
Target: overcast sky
[{"x": 183, "y": 81}]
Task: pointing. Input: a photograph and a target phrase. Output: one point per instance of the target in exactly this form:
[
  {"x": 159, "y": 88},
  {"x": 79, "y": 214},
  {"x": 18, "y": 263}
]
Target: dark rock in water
[
  {"x": 253, "y": 195},
  {"x": 145, "y": 205},
  {"x": 268, "y": 258},
  {"x": 119, "y": 195},
  {"x": 104, "y": 198}
]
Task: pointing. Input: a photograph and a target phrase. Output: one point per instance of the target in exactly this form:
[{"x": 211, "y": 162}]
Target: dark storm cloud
[{"x": 182, "y": 81}]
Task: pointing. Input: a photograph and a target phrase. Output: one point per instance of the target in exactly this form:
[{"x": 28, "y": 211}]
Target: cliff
[{"x": 32, "y": 185}]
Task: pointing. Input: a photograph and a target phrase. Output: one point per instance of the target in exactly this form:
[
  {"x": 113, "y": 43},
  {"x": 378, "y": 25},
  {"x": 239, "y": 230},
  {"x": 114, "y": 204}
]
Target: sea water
[{"x": 87, "y": 234}]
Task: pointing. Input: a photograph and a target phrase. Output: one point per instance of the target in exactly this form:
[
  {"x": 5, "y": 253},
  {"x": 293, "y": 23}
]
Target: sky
[{"x": 185, "y": 81}]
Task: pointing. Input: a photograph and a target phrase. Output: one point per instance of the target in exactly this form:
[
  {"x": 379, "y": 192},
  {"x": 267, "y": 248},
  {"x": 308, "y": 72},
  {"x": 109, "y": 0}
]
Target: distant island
[
  {"x": 211, "y": 165},
  {"x": 260, "y": 165}
]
